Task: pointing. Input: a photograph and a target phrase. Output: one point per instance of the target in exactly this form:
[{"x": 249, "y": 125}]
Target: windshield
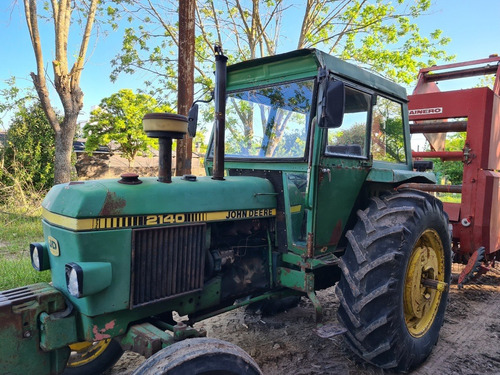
[{"x": 268, "y": 122}]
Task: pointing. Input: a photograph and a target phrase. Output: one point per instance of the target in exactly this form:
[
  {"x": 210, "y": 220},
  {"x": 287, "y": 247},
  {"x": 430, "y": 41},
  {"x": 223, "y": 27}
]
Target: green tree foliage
[
  {"x": 452, "y": 170},
  {"x": 13, "y": 98},
  {"x": 388, "y": 142},
  {"x": 356, "y": 134},
  {"x": 29, "y": 152},
  {"x": 380, "y": 35},
  {"x": 394, "y": 140},
  {"x": 118, "y": 120}
]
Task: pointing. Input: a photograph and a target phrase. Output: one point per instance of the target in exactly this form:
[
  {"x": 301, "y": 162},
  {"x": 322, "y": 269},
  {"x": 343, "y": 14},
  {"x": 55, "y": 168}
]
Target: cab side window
[
  {"x": 350, "y": 138},
  {"x": 387, "y": 139}
]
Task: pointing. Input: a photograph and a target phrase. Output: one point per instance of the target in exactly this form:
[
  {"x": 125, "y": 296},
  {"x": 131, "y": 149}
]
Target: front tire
[
  {"x": 92, "y": 357},
  {"x": 392, "y": 318},
  {"x": 200, "y": 356}
]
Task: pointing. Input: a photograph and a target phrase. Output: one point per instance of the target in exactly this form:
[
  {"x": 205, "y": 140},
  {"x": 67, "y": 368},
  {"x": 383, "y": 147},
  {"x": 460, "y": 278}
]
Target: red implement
[{"x": 476, "y": 111}]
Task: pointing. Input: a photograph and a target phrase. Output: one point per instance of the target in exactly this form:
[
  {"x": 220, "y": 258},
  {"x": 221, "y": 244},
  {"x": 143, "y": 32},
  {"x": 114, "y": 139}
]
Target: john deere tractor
[{"x": 301, "y": 193}]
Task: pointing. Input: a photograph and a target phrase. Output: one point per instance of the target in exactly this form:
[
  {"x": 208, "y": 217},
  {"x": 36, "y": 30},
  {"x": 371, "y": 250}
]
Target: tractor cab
[{"x": 318, "y": 129}]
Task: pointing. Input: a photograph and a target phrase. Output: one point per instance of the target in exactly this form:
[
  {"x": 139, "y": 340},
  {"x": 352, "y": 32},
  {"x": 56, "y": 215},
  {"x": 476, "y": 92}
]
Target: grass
[
  {"x": 18, "y": 228},
  {"x": 19, "y": 272},
  {"x": 450, "y": 197}
]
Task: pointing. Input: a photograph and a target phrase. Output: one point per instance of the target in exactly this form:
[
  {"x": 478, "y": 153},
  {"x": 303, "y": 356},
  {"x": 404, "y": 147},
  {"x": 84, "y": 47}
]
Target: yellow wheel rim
[
  {"x": 85, "y": 352},
  {"x": 421, "y": 303}
]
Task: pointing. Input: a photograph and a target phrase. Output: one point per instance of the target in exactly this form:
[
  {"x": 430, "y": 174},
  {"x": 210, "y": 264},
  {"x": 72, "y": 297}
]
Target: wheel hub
[
  {"x": 425, "y": 268},
  {"x": 85, "y": 352}
]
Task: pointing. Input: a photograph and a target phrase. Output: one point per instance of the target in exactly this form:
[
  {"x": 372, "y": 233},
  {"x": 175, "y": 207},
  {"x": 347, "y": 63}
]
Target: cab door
[{"x": 343, "y": 165}]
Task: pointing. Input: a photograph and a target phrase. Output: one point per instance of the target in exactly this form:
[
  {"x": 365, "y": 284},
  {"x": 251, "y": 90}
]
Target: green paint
[
  {"x": 112, "y": 247},
  {"x": 300, "y": 64},
  {"x": 338, "y": 185},
  {"x": 57, "y": 332},
  {"x": 297, "y": 280},
  {"x": 390, "y": 176},
  {"x": 146, "y": 339},
  {"x": 116, "y": 323},
  {"x": 108, "y": 198}
]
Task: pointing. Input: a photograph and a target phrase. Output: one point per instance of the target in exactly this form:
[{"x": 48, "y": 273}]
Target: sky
[{"x": 472, "y": 26}]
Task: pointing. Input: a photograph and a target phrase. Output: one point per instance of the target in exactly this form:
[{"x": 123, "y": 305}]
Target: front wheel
[
  {"x": 200, "y": 356},
  {"x": 395, "y": 276},
  {"x": 92, "y": 357}
]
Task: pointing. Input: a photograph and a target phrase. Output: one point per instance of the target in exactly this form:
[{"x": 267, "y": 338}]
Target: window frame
[
  {"x": 367, "y": 151},
  {"x": 404, "y": 131},
  {"x": 309, "y": 125}
]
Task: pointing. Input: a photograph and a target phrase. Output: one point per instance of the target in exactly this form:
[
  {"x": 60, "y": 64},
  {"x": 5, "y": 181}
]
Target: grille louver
[{"x": 166, "y": 262}]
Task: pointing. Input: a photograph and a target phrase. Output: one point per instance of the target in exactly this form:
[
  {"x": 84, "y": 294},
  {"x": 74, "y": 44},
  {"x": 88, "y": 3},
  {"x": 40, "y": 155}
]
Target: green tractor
[{"x": 302, "y": 192}]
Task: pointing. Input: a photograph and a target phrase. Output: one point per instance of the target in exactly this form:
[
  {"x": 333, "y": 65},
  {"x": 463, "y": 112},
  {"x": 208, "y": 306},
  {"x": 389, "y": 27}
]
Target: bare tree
[{"x": 66, "y": 81}]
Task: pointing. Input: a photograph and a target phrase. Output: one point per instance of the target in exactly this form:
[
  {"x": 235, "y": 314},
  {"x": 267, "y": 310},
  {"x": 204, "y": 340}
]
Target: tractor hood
[{"x": 89, "y": 205}]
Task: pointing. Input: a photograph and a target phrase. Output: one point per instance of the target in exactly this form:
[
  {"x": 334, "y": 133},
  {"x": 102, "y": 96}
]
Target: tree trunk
[
  {"x": 67, "y": 82},
  {"x": 185, "y": 81},
  {"x": 64, "y": 148}
]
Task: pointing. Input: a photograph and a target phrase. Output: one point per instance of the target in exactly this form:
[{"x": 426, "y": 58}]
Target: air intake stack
[
  {"x": 165, "y": 127},
  {"x": 220, "y": 112}
]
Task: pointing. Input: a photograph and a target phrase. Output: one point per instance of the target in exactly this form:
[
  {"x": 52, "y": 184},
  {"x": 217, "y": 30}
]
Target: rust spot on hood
[{"x": 113, "y": 205}]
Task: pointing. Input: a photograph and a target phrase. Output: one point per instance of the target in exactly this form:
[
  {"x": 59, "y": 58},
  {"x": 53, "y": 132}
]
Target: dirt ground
[{"x": 469, "y": 342}]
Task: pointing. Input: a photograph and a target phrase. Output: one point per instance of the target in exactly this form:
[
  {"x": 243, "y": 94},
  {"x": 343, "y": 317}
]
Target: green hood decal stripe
[{"x": 137, "y": 221}]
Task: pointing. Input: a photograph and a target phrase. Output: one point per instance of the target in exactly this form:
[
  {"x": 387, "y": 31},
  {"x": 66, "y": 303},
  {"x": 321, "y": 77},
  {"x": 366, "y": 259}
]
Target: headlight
[
  {"x": 35, "y": 259},
  {"x": 74, "y": 279},
  {"x": 86, "y": 278},
  {"x": 39, "y": 256}
]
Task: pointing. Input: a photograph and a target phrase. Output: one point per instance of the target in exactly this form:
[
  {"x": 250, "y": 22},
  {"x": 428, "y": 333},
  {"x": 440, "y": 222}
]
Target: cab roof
[{"x": 300, "y": 64}]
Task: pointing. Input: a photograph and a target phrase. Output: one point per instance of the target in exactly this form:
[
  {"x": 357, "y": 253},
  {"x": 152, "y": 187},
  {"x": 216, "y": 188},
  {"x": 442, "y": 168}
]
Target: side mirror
[
  {"x": 193, "y": 120},
  {"x": 333, "y": 110}
]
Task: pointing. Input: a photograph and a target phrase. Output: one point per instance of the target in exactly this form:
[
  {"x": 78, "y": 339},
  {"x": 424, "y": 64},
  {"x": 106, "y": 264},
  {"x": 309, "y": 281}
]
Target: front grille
[{"x": 166, "y": 262}]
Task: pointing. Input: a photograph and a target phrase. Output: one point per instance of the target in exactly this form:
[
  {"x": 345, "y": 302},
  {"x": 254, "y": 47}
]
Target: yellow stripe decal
[{"x": 105, "y": 223}]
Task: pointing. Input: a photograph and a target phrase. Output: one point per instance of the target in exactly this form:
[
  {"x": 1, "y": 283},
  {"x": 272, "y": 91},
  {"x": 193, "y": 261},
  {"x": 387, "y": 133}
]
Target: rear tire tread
[{"x": 367, "y": 303}]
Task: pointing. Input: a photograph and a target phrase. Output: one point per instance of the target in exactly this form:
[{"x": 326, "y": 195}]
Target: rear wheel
[
  {"x": 92, "y": 357},
  {"x": 395, "y": 272},
  {"x": 200, "y": 356}
]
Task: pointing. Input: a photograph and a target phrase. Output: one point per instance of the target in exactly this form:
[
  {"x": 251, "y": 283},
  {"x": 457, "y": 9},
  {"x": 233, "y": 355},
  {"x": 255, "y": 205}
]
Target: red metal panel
[
  {"x": 449, "y": 104},
  {"x": 494, "y": 155},
  {"x": 495, "y": 211},
  {"x": 486, "y": 225},
  {"x": 453, "y": 211}
]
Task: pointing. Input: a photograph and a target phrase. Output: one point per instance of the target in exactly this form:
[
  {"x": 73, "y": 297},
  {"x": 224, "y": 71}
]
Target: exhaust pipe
[{"x": 220, "y": 112}]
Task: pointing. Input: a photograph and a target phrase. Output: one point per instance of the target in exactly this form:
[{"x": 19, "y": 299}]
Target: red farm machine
[{"x": 475, "y": 112}]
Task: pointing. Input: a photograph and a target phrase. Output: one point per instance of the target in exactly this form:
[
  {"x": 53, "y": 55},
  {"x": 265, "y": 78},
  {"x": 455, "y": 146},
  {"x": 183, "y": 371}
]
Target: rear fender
[{"x": 399, "y": 176}]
